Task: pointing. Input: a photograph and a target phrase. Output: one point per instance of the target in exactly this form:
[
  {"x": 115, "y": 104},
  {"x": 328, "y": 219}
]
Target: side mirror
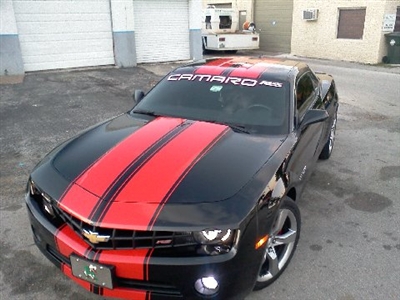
[
  {"x": 314, "y": 116},
  {"x": 138, "y": 95}
]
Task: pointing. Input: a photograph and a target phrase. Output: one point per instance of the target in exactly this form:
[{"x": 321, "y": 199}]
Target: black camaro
[{"x": 191, "y": 194}]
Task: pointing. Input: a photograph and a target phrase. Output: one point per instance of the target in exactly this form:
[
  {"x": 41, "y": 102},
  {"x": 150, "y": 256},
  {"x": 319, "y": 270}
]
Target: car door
[{"x": 306, "y": 150}]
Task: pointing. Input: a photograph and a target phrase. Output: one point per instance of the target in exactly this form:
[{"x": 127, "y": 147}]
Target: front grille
[
  {"x": 129, "y": 239},
  {"x": 164, "y": 243}
]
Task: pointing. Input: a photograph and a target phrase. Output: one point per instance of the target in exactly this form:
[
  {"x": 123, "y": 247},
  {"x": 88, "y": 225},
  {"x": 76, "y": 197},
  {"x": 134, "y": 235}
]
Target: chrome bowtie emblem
[{"x": 94, "y": 237}]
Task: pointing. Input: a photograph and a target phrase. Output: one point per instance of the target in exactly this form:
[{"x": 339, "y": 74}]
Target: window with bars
[{"x": 351, "y": 23}]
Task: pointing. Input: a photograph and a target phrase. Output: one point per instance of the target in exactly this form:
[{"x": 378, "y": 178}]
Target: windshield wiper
[
  {"x": 235, "y": 127},
  {"x": 238, "y": 128},
  {"x": 145, "y": 112}
]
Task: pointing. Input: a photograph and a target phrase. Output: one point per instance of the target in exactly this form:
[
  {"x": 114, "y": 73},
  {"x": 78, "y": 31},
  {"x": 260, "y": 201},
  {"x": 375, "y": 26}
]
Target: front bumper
[{"x": 138, "y": 275}]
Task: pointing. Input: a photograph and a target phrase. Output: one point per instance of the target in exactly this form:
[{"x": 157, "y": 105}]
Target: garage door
[
  {"x": 274, "y": 18},
  {"x": 161, "y": 30},
  {"x": 64, "y": 34}
]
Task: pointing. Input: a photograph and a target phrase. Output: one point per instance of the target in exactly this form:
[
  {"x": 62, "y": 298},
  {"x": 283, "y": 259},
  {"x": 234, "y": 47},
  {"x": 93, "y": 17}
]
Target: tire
[
  {"x": 281, "y": 244},
  {"x": 330, "y": 143}
]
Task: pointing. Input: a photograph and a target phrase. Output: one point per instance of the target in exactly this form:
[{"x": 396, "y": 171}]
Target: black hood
[{"x": 226, "y": 167}]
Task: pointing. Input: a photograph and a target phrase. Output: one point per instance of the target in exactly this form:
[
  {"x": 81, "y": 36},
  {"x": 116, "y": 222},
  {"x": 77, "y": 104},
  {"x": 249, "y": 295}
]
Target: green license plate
[{"x": 92, "y": 272}]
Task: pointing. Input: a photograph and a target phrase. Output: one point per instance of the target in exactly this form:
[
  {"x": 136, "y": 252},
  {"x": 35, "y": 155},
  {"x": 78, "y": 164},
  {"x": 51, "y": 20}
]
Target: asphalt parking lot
[{"x": 350, "y": 242}]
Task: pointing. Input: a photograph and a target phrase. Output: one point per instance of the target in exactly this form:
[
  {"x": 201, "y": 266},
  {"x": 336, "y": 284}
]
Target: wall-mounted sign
[{"x": 389, "y": 20}]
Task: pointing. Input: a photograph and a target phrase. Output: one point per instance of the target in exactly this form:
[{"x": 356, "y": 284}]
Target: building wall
[
  {"x": 124, "y": 45},
  {"x": 390, "y": 8},
  {"x": 123, "y": 33},
  {"x": 319, "y": 38},
  {"x": 195, "y": 22},
  {"x": 11, "y": 64}
]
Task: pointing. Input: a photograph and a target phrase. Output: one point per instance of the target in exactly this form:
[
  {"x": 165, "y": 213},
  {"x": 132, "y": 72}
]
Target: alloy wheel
[{"x": 280, "y": 245}]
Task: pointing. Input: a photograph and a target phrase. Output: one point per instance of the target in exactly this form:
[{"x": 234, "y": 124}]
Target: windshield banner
[{"x": 224, "y": 80}]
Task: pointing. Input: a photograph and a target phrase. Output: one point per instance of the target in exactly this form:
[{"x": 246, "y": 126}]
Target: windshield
[{"x": 255, "y": 105}]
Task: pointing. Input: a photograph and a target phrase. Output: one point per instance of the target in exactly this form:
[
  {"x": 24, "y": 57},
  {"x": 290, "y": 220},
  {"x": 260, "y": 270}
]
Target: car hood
[{"x": 133, "y": 164}]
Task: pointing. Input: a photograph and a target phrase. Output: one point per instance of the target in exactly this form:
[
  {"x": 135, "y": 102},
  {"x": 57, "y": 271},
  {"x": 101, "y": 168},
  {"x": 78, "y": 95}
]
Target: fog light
[{"x": 207, "y": 286}]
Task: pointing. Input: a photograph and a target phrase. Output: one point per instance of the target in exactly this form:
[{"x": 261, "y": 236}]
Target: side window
[{"x": 305, "y": 91}]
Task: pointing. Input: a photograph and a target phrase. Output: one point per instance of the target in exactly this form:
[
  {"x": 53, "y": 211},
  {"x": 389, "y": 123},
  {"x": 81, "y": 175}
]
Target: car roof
[{"x": 246, "y": 67}]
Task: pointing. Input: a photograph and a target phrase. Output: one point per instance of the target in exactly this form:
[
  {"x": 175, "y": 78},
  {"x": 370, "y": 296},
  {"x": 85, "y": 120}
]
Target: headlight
[
  {"x": 214, "y": 236},
  {"x": 42, "y": 198},
  {"x": 32, "y": 189},
  {"x": 47, "y": 205},
  {"x": 216, "y": 241}
]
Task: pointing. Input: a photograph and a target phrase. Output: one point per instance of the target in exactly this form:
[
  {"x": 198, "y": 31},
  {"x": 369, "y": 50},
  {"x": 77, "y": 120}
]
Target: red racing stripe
[
  {"x": 118, "y": 292},
  {"x": 68, "y": 271},
  {"x": 125, "y": 293},
  {"x": 68, "y": 242},
  {"x": 207, "y": 70},
  {"x": 142, "y": 195},
  {"x": 218, "y": 62},
  {"x": 128, "y": 263},
  {"x": 213, "y": 67},
  {"x": 100, "y": 176},
  {"x": 205, "y": 150},
  {"x": 254, "y": 71},
  {"x": 78, "y": 202}
]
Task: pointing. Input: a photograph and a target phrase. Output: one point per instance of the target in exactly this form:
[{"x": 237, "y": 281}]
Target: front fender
[{"x": 270, "y": 201}]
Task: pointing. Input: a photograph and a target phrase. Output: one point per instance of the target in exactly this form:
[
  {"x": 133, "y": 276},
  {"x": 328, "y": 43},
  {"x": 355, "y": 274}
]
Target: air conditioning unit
[{"x": 310, "y": 14}]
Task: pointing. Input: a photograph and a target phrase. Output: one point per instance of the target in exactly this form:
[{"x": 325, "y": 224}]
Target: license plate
[{"x": 92, "y": 272}]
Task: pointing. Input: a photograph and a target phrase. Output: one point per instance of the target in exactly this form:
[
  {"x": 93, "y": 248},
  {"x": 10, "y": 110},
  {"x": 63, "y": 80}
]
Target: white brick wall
[
  {"x": 8, "y": 24},
  {"x": 122, "y": 15},
  {"x": 318, "y": 38}
]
